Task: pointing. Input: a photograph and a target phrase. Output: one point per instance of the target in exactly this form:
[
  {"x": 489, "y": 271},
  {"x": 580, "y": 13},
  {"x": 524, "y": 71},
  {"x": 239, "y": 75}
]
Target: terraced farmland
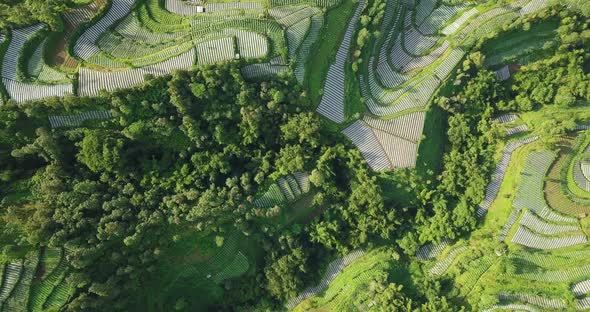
[{"x": 121, "y": 42}]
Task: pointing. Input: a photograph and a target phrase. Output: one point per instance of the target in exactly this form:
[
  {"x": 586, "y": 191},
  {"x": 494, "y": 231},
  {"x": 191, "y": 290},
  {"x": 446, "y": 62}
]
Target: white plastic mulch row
[
  {"x": 21, "y": 92},
  {"x": 408, "y": 127},
  {"x": 214, "y": 51},
  {"x": 365, "y": 140},
  {"x": 533, "y": 6},
  {"x": 332, "y": 103},
  {"x": 181, "y": 7},
  {"x": 425, "y": 60},
  {"x": 505, "y": 118},
  {"x": 580, "y": 177},
  {"x": 494, "y": 186},
  {"x": 187, "y": 9},
  {"x": 525, "y": 237},
  {"x": 510, "y": 307},
  {"x": 298, "y": 16},
  {"x": 542, "y": 302},
  {"x": 293, "y": 185},
  {"x": 581, "y": 288},
  {"x": 2, "y": 38},
  {"x": 442, "y": 266},
  {"x": 86, "y": 45},
  {"x": 389, "y": 77},
  {"x": 10, "y": 278},
  {"x": 401, "y": 153},
  {"x": 416, "y": 43},
  {"x": 77, "y": 16},
  {"x": 479, "y": 20},
  {"x": 280, "y": 12},
  {"x": 423, "y": 9},
  {"x": 250, "y": 44},
  {"x": 585, "y": 168},
  {"x": 20, "y": 294},
  {"x": 398, "y": 56},
  {"x": 132, "y": 29},
  {"x": 19, "y": 38},
  {"x": 541, "y": 226},
  {"x": 317, "y": 22},
  {"x": 517, "y": 129},
  {"x": 561, "y": 275},
  {"x": 447, "y": 66},
  {"x": 77, "y": 120},
  {"x": 508, "y": 225},
  {"x": 414, "y": 98},
  {"x": 431, "y": 250},
  {"x": 302, "y": 179},
  {"x": 296, "y": 35},
  {"x": 286, "y": 189},
  {"x": 583, "y": 304},
  {"x": 92, "y": 81},
  {"x": 503, "y": 73},
  {"x": 439, "y": 17},
  {"x": 334, "y": 269},
  {"x": 455, "y": 25},
  {"x": 262, "y": 70}
]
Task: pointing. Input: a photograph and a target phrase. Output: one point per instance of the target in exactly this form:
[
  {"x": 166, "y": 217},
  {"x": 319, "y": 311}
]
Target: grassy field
[
  {"x": 194, "y": 268},
  {"x": 434, "y": 140},
  {"x": 513, "y": 44},
  {"x": 326, "y": 47},
  {"x": 350, "y": 288}
]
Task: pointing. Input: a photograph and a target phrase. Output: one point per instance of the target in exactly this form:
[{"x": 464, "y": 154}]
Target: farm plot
[
  {"x": 529, "y": 193},
  {"x": 580, "y": 174},
  {"x": 262, "y": 70},
  {"x": 538, "y": 225},
  {"x": 516, "y": 130},
  {"x": 365, "y": 140},
  {"x": 432, "y": 250},
  {"x": 19, "y": 296},
  {"x": 10, "y": 277},
  {"x": 93, "y": 81},
  {"x": 455, "y": 25},
  {"x": 79, "y": 119},
  {"x": 581, "y": 288},
  {"x": 417, "y": 44},
  {"x": 408, "y": 127},
  {"x": 42, "y": 289},
  {"x": 532, "y": 7},
  {"x": 467, "y": 280},
  {"x": 21, "y": 91},
  {"x": 86, "y": 46},
  {"x": 39, "y": 70},
  {"x": 528, "y": 238},
  {"x": 438, "y": 18},
  {"x": 296, "y": 35},
  {"x": 214, "y": 51},
  {"x": 440, "y": 267},
  {"x": 317, "y": 22},
  {"x": 335, "y": 268},
  {"x": 539, "y": 301},
  {"x": 505, "y": 118},
  {"x": 332, "y": 102},
  {"x": 286, "y": 189}
]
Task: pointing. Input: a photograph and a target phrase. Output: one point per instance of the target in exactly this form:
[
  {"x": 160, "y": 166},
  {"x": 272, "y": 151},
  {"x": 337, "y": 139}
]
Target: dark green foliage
[
  {"x": 191, "y": 150},
  {"x": 27, "y": 12}
]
